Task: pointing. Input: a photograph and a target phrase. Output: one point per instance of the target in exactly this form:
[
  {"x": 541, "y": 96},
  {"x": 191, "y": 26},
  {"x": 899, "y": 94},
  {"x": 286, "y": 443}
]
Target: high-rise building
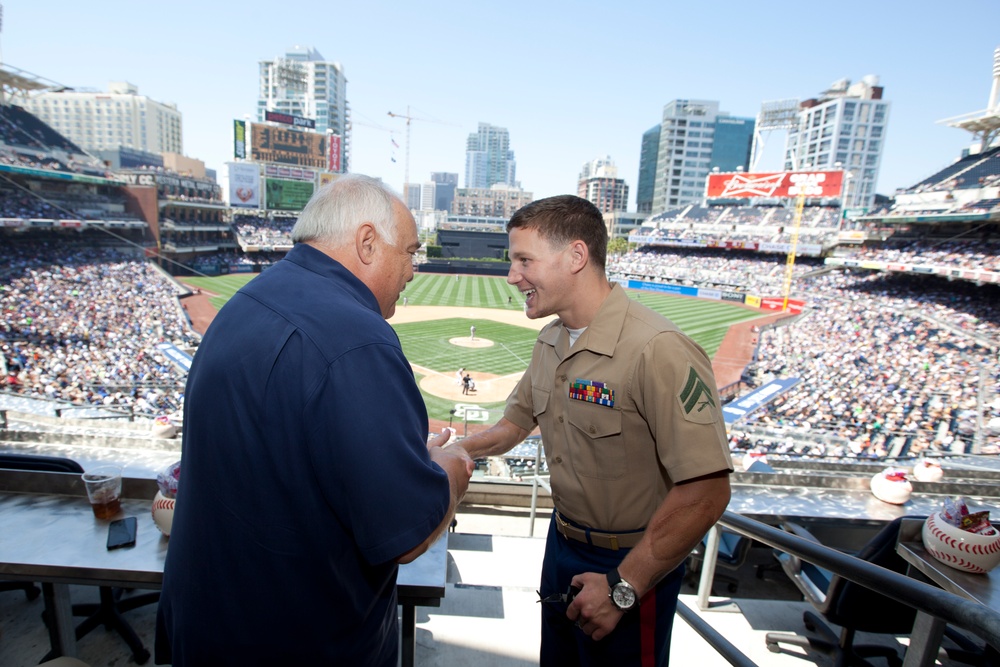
[
  {"x": 444, "y": 193},
  {"x": 692, "y": 142},
  {"x": 498, "y": 201},
  {"x": 420, "y": 196},
  {"x": 302, "y": 83},
  {"x": 647, "y": 169},
  {"x": 488, "y": 158},
  {"x": 118, "y": 118},
  {"x": 412, "y": 193},
  {"x": 600, "y": 185},
  {"x": 843, "y": 128}
]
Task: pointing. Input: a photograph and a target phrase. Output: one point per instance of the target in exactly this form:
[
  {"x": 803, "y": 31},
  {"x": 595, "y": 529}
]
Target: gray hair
[{"x": 336, "y": 210}]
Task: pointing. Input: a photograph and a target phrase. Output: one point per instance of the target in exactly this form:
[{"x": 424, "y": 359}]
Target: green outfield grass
[
  {"x": 223, "y": 286},
  {"x": 427, "y": 343}
]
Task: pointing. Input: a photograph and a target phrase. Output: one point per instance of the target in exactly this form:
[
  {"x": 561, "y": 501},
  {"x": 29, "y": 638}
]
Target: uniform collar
[
  {"x": 318, "y": 262},
  {"x": 603, "y": 332}
]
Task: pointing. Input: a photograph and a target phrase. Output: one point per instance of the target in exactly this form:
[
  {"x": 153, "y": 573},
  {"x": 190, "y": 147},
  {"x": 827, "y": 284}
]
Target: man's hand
[
  {"x": 592, "y": 609},
  {"x": 452, "y": 457}
]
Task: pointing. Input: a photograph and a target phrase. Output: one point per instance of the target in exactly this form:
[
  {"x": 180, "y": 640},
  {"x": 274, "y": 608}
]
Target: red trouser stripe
[{"x": 647, "y": 629}]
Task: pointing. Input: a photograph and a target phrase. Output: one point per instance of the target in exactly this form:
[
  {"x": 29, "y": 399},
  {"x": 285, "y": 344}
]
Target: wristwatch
[{"x": 622, "y": 593}]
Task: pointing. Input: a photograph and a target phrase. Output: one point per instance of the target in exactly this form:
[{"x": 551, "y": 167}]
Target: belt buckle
[{"x": 614, "y": 542}]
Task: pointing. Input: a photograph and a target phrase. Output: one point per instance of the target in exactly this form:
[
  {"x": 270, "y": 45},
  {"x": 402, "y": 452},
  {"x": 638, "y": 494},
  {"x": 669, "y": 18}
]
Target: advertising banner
[
  {"x": 293, "y": 173},
  {"x": 244, "y": 185},
  {"x": 777, "y": 303},
  {"x": 240, "y": 139},
  {"x": 757, "y": 398},
  {"x": 736, "y": 297},
  {"x": 289, "y": 119},
  {"x": 710, "y": 294},
  {"x": 774, "y": 184},
  {"x": 282, "y": 195},
  {"x": 662, "y": 287},
  {"x": 334, "y": 163}
]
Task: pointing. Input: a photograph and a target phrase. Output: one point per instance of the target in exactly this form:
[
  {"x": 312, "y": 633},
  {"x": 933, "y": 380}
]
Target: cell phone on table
[{"x": 121, "y": 533}]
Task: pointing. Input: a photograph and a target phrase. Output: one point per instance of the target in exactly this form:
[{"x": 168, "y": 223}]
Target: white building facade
[
  {"x": 844, "y": 128},
  {"x": 302, "y": 83},
  {"x": 688, "y": 150},
  {"x": 120, "y": 117},
  {"x": 600, "y": 185}
]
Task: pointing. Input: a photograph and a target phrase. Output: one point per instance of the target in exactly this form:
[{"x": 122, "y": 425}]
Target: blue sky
[{"x": 572, "y": 81}]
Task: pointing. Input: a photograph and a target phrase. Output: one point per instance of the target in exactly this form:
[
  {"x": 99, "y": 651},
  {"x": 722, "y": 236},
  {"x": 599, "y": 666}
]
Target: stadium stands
[
  {"x": 964, "y": 172},
  {"x": 81, "y": 324}
]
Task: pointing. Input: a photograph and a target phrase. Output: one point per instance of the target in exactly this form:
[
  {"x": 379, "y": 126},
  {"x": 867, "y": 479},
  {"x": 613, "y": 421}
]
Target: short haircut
[
  {"x": 563, "y": 219},
  {"x": 336, "y": 210}
]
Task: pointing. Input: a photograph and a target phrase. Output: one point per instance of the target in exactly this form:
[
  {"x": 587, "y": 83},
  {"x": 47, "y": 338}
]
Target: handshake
[{"x": 453, "y": 459}]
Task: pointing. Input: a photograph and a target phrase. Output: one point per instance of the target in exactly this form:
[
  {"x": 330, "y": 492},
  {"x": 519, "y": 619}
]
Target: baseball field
[{"x": 434, "y": 319}]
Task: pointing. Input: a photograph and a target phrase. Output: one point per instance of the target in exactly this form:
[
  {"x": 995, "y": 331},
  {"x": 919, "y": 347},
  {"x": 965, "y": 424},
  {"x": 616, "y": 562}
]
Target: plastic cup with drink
[{"x": 104, "y": 489}]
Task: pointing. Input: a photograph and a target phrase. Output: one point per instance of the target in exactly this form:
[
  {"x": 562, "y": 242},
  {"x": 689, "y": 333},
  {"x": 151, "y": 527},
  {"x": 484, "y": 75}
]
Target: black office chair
[
  {"x": 108, "y": 612},
  {"x": 853, "y": 607},
  {"x": 732, "y": 554}
]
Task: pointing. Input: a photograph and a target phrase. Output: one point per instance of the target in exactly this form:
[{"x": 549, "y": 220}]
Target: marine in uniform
[{"x": 634, "y": 438}]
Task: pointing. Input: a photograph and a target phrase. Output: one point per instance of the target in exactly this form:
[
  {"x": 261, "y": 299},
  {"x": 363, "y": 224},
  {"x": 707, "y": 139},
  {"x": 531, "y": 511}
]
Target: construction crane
[{"x": 409, "y": 118}]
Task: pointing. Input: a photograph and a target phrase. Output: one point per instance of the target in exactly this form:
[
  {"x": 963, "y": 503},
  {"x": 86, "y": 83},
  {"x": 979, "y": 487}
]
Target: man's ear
[
  {"x": 579, "y": 255},
  {"x": 364, "y": 242}
]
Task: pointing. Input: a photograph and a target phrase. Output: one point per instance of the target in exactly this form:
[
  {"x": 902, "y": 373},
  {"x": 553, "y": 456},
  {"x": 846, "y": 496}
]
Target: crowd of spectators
[
  {"x": 23, "y": 205},
  {"x": 64, "y": 205},
  {"x": 707, "y": 267},
  {"x": 81, "y": 324},
  {"x": 264, "y": 230},
  {"x": 182, "y": 240},
  {"x": 891, "y": 364},
  {"x": 961, "y": 254},
  {"x": 193, "y": 216},
  {"x": 26, "y": 141}
]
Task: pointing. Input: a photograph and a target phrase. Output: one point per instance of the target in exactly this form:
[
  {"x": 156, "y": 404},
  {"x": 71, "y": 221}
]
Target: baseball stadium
[{"x": 855, "y": 352}]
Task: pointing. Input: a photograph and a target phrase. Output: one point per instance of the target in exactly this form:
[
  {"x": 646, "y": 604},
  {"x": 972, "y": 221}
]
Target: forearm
[
  {"x": 498, "y": 439},
  {"x": 458, "y": 467},
  {"x": 688, "y": 512},
  {"x": 456, "y": 495}
]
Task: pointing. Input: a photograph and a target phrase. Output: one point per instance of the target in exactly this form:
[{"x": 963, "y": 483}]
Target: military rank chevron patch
[{"x": 696, "y": 399}]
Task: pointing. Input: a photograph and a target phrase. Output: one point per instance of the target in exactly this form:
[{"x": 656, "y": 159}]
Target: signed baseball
[{"x": 163, "y": 512}]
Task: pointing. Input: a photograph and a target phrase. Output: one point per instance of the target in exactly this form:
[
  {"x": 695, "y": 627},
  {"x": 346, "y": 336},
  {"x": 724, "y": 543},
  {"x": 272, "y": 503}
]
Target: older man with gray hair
[{"x": 307, "y": 476}]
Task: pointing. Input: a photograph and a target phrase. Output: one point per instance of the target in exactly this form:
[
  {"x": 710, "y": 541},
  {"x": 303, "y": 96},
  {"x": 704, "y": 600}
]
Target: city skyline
[{"x": 568, "y": 81}]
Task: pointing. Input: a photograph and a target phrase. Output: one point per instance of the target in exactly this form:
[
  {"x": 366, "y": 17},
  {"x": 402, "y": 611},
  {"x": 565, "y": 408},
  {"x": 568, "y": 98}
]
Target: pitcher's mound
[{"x": 471, "y": 342}]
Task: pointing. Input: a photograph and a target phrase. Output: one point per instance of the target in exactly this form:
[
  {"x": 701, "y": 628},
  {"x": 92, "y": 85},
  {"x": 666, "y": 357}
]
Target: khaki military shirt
[{"x": 630, "y": 410}]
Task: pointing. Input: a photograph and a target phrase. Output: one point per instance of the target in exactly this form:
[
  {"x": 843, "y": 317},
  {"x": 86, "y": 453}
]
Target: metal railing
[{"x": 978, "y": 619}]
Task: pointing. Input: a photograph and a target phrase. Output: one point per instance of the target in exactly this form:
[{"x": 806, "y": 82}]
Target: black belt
[{"x": 598, "y": 538}]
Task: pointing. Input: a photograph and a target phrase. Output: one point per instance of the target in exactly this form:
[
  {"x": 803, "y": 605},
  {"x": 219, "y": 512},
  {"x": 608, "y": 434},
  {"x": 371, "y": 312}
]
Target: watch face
[{"x": 623, "y": 596}]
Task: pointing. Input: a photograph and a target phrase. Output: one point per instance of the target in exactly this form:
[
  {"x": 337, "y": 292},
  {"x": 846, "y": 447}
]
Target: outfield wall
[{"x": 773, "y": 303}]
